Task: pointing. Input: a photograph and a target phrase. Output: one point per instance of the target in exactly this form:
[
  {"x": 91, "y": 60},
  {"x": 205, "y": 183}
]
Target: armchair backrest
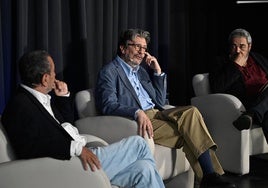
[
  {"x": 6, "y": 151},
  {"x": 85, "y": 103},
  {"x": 201, "y": 84}
]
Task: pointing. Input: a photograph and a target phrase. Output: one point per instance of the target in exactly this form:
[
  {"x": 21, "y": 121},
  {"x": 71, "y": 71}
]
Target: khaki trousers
[{"x": 184, "y": 127}]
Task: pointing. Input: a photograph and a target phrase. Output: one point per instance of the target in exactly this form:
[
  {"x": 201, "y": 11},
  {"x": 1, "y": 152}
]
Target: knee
[
  {"x": 140, "y": 143},
  {"x": 195, "y": 110},
  {"x": 137, "y": 140},
  {"x": 145, "y": 169}
]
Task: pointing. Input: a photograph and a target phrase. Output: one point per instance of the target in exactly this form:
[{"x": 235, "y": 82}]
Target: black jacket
[
  {"x": 33, "y": 132},
  {"x": 224, "y": 77}
]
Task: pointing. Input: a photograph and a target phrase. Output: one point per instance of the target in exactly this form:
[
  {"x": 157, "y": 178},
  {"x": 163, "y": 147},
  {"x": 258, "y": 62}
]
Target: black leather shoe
[
  {"x": 215, "y": 180},
  {"x": 243, "y": 122}
]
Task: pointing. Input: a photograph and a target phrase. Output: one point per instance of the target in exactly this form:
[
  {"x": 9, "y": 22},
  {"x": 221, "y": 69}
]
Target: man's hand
[
  {"x": 89, "y": 158},
  {"x": 152, "y": 62},
  {"x": 239, "y": 58},
  {"x": 145, "y": 124},
  {"x": 60, "y": 88}
]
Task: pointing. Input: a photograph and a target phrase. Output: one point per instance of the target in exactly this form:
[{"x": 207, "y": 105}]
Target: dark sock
[{"x": 205, "y": 163}]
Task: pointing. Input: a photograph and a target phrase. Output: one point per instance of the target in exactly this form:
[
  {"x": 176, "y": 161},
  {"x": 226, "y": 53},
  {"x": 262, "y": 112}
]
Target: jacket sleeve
[
  {"x": 156, "y": 87},
  {"x": 63, "y": 108},
  {"x": 223, "y": 75}
]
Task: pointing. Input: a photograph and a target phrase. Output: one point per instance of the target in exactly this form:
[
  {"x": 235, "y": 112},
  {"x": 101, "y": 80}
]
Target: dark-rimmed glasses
[{"x": 138, "y": 47}]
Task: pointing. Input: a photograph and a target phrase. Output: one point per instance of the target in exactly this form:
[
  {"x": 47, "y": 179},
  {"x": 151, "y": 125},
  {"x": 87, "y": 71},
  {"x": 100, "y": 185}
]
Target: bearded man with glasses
[{"x": 124, "y": 88}]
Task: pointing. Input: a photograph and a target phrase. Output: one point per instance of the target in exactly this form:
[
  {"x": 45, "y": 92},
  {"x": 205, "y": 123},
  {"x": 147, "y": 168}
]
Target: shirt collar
[
  {"x": 41, "y": 97},
  {"x": 127, "y": 68}
]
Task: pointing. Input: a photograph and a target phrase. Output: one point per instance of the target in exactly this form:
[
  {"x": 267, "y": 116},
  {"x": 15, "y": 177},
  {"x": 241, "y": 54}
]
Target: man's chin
[{"x": 134, "y": 63}]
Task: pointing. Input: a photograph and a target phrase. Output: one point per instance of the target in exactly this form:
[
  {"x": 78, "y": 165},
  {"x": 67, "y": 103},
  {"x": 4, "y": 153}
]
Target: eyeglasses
[{"x": 138, "y": 47}]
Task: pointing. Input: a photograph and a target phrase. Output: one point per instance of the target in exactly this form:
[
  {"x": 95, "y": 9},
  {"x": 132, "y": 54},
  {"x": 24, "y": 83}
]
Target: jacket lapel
[
  {"x": 126, "y": 82},
  {"x": 40, "y": 107}
]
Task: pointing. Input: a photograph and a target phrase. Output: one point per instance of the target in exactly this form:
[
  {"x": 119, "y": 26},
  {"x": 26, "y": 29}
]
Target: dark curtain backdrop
[{"x": 81, "y": 36}]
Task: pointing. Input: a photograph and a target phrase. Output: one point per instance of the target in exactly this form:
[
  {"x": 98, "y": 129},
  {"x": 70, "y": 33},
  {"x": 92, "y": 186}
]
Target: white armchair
[
  {"x": 171, "y": 163},
  {"x": 219, "y": 111},
  {"x": 47, "y": 172}
]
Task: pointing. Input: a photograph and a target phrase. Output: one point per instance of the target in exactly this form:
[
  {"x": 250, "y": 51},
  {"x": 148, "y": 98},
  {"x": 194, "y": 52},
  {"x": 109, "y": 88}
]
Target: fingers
[
  {"x": 61, "y": 88},
  {"x": 148, "y": 129},
  {"x": 240, "y": 59},
  {"x": 143, "y": 130},
  {"x": 152, "y": 62},
  {"x": 88, "y": 158},
  {"x": 149, "y": 59},
  {"x": 145, "y": 125}
]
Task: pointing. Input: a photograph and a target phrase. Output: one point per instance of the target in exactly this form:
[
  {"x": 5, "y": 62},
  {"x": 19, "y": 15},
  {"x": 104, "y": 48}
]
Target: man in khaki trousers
[{"x": 125, "y": 88}]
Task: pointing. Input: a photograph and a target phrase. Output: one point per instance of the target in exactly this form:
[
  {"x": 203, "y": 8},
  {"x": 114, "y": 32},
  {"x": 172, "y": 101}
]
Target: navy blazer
[
  {"x": 32, "y": 131},
  {"x": 116, "y": 96}
]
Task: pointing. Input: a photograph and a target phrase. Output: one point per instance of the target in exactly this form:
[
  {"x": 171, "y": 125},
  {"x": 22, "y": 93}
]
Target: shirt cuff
[
  {"x": 67, "y": 95},
  {"x": 136, "y": 114},
  {"x": 162, "y": 74},
  {"x": 76, "y": 148}
]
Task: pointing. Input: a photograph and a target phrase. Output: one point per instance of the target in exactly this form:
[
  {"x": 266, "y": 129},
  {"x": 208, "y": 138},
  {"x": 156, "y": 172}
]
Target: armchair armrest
[
  {"x": 94, "y": 140},
  {"x": 218, "y": 106},
  {"x": 110, "y": 128},
  {"x": 219, "y": 111},
  {"x": 48, "y": 172}
]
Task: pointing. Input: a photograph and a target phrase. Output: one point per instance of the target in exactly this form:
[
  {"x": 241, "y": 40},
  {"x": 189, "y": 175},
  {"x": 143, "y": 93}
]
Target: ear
[
  {"x": 123, "y": 49},
  {"x": 45, "y": 79}
]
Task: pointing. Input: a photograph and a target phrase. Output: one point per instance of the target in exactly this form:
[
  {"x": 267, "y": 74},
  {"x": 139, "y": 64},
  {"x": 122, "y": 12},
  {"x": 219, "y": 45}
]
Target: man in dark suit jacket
[
  {"x": 126, "y": 89},
  {"x": 37, "y": 127},
  {"x": 243, "y": 74}
]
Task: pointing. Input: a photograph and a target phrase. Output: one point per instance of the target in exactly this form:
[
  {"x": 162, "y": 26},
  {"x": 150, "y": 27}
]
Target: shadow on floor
[{"x": 258, "y": 176}]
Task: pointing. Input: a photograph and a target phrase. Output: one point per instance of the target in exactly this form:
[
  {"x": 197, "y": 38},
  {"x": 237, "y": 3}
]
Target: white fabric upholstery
[
  {"x": 47, "y": 172},
  {"x": 171, "y": 163},
  {"x": 201, "y": 84},
  {"x": 6, "y": 153},
  {"x": 219, "y": 111}
]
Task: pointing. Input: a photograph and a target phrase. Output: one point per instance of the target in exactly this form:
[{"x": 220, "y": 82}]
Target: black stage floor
[{"x": 258, "y": 176}]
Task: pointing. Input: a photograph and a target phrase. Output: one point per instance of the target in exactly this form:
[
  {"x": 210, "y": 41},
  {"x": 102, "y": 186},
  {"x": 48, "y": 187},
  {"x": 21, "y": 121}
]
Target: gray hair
[{"x": 240, "y": 33}]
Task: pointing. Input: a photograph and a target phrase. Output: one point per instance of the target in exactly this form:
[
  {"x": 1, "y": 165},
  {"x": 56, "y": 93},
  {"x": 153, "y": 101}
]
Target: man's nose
[{"x": 238, "y": 50}]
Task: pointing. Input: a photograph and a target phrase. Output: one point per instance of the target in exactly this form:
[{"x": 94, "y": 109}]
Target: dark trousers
[{"x": 260, "y": 110}]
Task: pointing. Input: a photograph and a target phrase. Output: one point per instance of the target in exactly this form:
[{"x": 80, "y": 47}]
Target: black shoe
[
  {"x": 243, "y": 122},
  {"x": 215, "y": 180}
]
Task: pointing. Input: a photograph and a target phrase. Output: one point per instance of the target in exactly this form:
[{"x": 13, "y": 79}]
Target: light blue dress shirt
[{"x": 144, "y": 98}]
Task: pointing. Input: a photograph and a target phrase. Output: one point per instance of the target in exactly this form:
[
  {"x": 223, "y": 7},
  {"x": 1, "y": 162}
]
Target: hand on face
[
  {"x": 239, "y": 58},
  {"x": 60, "y": 88},
  {"x": 135, "y": 52},
  {"x": 152, "y": 62},
  {"x": 239, "y": 50}
]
